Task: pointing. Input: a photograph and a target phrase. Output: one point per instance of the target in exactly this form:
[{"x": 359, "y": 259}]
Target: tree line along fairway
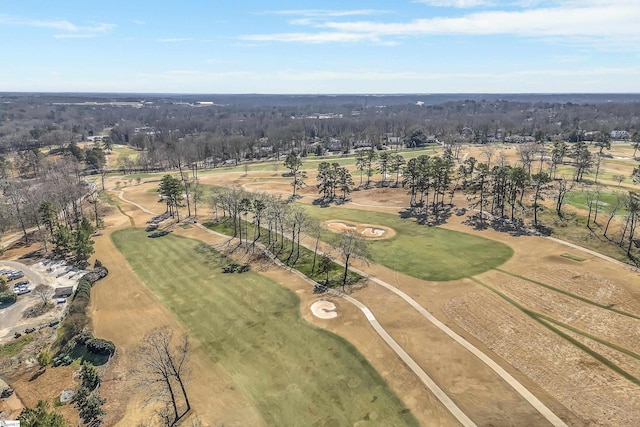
[
  {"x": 428, "y": 253},
  {"x": 294, "y": 373}
]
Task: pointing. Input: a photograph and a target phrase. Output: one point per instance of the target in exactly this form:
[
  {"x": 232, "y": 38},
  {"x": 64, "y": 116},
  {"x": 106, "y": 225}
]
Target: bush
[
  {"x": 83, "y": 290},
  {"x": 7, "y": 298},
  {"x": 101, "y": 346},
  {"x": 73, "y": 324},
  {"x": 89, "y": 376},
  {"x": 78, "y": 306},
  {"x": 83, "y": 337}
]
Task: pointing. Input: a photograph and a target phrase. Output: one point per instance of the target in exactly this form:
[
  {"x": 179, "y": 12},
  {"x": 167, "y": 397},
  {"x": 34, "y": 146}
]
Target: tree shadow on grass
[{"x": 157, "y": 234}]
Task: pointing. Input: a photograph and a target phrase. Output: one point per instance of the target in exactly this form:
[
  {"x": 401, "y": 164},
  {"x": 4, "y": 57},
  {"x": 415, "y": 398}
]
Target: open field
[
  {"x": 563, "y": 322},
  {"x": 294, "y": 374}
]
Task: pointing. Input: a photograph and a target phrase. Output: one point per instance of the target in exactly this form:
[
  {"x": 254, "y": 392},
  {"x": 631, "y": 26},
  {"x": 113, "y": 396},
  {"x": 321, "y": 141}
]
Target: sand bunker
[
  {"x": 365, "y": 230},
  {"x": 324, "y": 309}
]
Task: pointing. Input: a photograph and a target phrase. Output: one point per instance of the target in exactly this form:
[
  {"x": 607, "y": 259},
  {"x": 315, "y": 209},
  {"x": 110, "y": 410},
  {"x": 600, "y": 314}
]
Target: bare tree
[
  {"x": 489, "y": 150},
  {"x": 526, "y": 152},
  {"x": 564, "y": 187},
  {"x": 44, "y": 292},
  {"x": 351, "y": 245},
  {"x": 162, "y": 372}
]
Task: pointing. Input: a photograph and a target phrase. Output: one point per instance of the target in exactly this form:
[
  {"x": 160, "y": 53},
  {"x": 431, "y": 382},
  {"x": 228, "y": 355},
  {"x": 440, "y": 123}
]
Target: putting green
[
  {"x": 294, "y": 373},
  {"x": 429, "y": 253}
]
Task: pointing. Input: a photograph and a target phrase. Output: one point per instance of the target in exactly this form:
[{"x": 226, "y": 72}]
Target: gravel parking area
[{"x": 51, "y": 273}]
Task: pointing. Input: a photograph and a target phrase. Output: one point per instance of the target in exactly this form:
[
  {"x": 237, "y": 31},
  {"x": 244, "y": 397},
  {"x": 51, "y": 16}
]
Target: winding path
[
  {"x": 406, "y": 358},
  {"x": 393, "y": 344}
]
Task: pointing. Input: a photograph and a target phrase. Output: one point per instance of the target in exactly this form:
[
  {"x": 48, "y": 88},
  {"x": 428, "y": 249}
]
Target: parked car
[
  {"x": 61, "y": 300},
  {"x": 22, "y": 291},
  {"x": 29, "y": 330},
  {"x": 53, "y": 323},
  {"x": 6, "y": 392},
  {"x": 17, "y": 335},
  {"x": 15, "y": 275},
  {"x": 21, "y": 283}
]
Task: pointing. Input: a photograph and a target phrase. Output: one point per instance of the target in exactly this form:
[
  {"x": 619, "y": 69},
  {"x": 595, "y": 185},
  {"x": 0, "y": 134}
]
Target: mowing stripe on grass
[
  {"x": 591, "y": 337},
  {"x": 540, "y": 319},
  {"x": 295, "y": 374},
  {"x": 569, "y": 294}
]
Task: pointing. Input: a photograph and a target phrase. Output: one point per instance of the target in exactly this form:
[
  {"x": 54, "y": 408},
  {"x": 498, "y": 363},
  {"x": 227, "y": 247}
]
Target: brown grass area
[
  {"x": 47, "y": 387},
  {"x": 123, "y": 311},
  {"x": 573, "y": 384}
]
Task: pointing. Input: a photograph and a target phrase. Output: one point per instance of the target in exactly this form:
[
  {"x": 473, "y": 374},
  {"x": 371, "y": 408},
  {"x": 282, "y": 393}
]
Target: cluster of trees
[
  {"x": 388, "y": 163},
  {"x": 428, "y": 179},
  {"x": 7, "y": 296},
  {"x": 270, "y": 214},
  {"x": 251, "y": 129},
  {"x": 331, "y": 179},
  {"x": 54, "y": 204},
  {"x": 283, "y": 225},
  {"x": 41, "y": 416},
  {"x": 86, "y": 400}
]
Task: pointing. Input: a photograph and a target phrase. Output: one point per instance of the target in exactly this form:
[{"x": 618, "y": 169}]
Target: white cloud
[
  {"x": 610, "y": 22},
  {"x": 575, "y": 21},
  {"x": 139, "y": 22},
  {"x": 70, "y": 29}
]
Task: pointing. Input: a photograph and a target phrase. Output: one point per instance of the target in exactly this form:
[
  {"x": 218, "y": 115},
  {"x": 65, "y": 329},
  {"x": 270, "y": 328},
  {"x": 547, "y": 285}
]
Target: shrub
[
  {"x": 78, "y": 306},
  {"x": 73, "y": 324},
  {"x": 83, "y": 337},
  {"x": 100, "y": 346},
  {"x": 89, "y": 376},
  {"x": 7, "y": 298},
  {"x": 83, "y": 290}
]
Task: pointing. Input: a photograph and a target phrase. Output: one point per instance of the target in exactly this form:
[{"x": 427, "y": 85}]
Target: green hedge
[{"x": 101, "y": 346}]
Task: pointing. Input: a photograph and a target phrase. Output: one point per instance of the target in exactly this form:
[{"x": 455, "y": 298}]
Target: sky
[{"x": 311, "y": 47}]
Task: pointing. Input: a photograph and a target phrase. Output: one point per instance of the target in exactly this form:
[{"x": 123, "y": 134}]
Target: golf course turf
[
  {"x": 294, "y": 373},
  {"x": 429, "y": 253}
]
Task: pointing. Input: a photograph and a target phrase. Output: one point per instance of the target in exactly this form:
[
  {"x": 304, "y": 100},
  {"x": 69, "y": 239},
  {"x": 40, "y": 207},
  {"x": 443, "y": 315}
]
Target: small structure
[{"x": 63, "y": 292}]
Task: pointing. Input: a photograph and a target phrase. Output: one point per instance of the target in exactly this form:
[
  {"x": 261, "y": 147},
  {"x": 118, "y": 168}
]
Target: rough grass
[
  {"x": 429, "y": 253},
  {"x": 607, "y": 200},
  {"x": 12, "y": 348},
  {"x": 294, "y": 373}
]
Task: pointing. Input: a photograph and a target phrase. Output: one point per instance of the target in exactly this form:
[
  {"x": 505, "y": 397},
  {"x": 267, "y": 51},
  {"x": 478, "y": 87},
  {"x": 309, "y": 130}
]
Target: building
[{"x": 63, "y": 292}]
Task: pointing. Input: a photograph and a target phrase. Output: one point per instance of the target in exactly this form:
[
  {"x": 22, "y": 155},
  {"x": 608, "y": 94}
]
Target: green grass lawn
[
  {"x": 294, "y": 373},
  {"x": 607, "y": 201},
  {"x": 12, "y": 348},
  {"x": 429, "y": 253}
]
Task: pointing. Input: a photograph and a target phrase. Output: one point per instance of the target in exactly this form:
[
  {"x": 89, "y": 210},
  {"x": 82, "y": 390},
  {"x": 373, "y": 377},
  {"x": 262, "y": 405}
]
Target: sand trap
[
  {"x": 324, "y": 309},
  {"x": 365, "y": 230},
  {"x": 373, "y": 232}
]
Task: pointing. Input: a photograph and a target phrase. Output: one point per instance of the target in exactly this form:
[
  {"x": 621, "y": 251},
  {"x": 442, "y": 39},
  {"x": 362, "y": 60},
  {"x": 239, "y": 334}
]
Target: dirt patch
[
  {"x": 374, "y": 232},
  {"x": 324, "y": 309}
]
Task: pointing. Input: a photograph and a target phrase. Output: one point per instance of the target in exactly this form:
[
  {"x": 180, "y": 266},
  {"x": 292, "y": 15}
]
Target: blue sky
[{"x": 348, "y": 46}]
